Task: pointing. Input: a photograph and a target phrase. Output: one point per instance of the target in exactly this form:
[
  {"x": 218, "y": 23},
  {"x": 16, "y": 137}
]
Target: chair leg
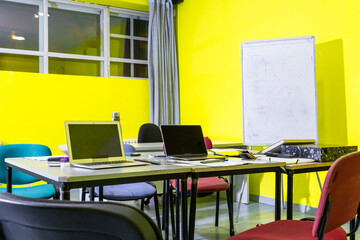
[
  {"x": 231, "y": 218},
  {"x": 142, "y": 204},
  {"x": 156, "y": 203},
  {"x": 172, "y": 219},
  {"x": 147, "y": 201},
  {"x": 57, "y": 194},
  {"x": 217, "y": 209}
]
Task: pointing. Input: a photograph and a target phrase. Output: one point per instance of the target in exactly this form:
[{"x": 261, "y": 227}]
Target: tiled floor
[{"x": 250, "y": 215}]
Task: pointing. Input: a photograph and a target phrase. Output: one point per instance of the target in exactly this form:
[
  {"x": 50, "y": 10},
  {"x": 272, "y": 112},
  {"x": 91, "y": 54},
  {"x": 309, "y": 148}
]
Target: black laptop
[{"x": 185, "y": 142}]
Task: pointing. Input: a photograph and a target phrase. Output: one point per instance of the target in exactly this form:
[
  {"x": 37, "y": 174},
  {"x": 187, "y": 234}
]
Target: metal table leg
[
  {"x": 65, "y": 193},
  {"x": 184, "y": 208},
  {"x": 9, "y": 180},
  {"x": 278, "y": 195},
  {"x": 193, "y": 197},
  {"x": 289, "y": 212}
]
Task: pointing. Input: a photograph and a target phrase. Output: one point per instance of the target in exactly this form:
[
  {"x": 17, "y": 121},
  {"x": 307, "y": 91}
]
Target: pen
[
  {"x": 147, "y": 161},
  {"x": 213, "y": 160}
]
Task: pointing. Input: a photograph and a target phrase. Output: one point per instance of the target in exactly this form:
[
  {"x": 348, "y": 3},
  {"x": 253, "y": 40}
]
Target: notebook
[
  {"x": 185, "y": 142},
  {"x": 96, "y": 145}
]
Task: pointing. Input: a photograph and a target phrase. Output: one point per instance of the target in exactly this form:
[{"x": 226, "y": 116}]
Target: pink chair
[
  {"x": 339, "y": 204},
  {"x": 209, "y": 185}
]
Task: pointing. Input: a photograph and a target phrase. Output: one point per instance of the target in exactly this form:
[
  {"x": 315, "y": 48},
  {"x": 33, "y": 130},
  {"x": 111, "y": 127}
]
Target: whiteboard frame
[{"x": 270, "y": 42}]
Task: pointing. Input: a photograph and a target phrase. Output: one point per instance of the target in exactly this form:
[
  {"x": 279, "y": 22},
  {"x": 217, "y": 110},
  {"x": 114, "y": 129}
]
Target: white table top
[{"x": 66, "y": 173}]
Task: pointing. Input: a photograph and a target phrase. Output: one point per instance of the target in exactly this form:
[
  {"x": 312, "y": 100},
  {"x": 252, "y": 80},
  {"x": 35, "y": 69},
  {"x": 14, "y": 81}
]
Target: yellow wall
[
  {"x": 33, "y": 107},
  {"x": 209, "y": 38}
]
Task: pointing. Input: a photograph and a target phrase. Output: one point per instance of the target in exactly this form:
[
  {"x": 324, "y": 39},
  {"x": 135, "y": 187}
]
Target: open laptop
[
  {"x": 185, "y": 142},
  {"x": 96, "y": 145}
]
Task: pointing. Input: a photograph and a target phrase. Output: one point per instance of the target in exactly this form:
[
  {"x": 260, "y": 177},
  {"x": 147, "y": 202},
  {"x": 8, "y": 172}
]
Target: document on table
[
  {"x": 288, "y": 161},
  {"x": 228, "y": 162},
  {"x": 44, "y": 158}
]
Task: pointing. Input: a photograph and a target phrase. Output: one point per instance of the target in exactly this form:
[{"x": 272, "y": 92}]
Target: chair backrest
[
  {"x": 42, "y": 219},
  {"x": 149, "y": 132},
  {"x": 129, "y": 148},
  {"x": 20, "y": 150},
  {"x": 341, "y": 191}
]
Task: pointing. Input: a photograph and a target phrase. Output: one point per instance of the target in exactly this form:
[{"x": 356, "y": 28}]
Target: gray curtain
[{"x": 163, "y": 70}]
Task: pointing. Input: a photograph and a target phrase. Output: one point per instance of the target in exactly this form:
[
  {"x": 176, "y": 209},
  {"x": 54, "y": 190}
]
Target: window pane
[
  {"x": 14, "y": 62},
  {"x": 120, "y": 69},
  {"x": 140, "y": 50},
  {"x": 120, "y": 48},
  {"x": 19, "y": 29},
  {"x": 74, "y": 67},
  {"x": 74, "y": 32},
  {"x": 120, "y": 25},
  {"x": 141, "y": 70},
  {"x": 141, "y": 28}
]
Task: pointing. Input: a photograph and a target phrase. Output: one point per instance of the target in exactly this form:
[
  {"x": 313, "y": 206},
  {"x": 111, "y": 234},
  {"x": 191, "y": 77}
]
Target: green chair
[{"x": 19, "y": 178}]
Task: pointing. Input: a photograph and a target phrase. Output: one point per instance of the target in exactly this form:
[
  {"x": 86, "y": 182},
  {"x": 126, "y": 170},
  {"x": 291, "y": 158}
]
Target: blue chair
[
  {"x": 19, "y": 178},
  {"x": 131, "y": 191}
]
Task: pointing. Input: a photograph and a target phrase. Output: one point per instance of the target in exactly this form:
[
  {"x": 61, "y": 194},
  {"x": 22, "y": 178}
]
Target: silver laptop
[
  {"x": 96, "y": 145},
  {"x": 185, "y": 142}
]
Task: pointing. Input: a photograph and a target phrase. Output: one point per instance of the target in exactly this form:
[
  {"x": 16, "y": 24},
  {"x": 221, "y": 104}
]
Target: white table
[{"x": 67, "y": 178}]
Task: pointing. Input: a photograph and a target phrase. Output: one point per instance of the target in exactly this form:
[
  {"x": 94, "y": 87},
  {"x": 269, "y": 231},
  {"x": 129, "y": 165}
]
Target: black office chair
[
  {"x": 149, "y": 132},
  {"x": 41, "y": 219}
]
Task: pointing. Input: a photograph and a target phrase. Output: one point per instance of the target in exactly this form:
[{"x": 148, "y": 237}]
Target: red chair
[
  {"x": 339, "y": 204},
  {"x": 209, "y": 185}
]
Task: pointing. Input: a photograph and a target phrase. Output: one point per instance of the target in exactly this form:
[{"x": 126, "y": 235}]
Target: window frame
[{"x": 104, "y": 58}]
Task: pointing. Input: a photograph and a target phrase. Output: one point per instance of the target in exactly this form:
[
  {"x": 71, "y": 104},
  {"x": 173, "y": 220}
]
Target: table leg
[
  {"x": 101, "y": 193},
  {"x": 290, "y": 178},
  {"x": 278, "y": 195},
  {"x": 163, "y": 203},
  {"x": 166, "y": 209},
  {"x": 352, "y": 225},
  {"x": 9, "y": 180},
  {"x": 193, "y": 196},
  {"x": 232, "y": 189},
  {"x": 92, "y": 194},
  {"x": 184, "y": 208},
  {"x": 177, "y": 203},
  {"x": 65, "y": 193}
]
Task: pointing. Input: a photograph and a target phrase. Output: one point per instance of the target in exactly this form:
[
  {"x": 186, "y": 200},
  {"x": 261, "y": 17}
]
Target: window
[
  {"x": 128, "y": 45},
  {"x": 65, "y": 37}
]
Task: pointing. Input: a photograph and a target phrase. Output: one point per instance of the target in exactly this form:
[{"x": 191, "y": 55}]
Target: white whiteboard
[{"x": 278, "y": 90}]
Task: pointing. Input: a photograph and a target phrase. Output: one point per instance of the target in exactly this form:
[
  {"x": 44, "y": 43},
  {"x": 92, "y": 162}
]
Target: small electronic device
[
  {"x": 275, "y": 148},
  {"x": 132, "y": 154},
  {"x": 54, "y": 162},
  {"x": 247, "y": 155}
]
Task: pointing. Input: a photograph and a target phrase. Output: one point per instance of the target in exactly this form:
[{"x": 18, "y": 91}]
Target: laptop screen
[
  {"x": 93, "y": 140},
  {"x": 183, "y": 140}
]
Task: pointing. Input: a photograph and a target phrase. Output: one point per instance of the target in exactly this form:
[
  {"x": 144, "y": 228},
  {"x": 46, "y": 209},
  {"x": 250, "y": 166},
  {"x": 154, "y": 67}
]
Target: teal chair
[{"x": 19, "y": 178}]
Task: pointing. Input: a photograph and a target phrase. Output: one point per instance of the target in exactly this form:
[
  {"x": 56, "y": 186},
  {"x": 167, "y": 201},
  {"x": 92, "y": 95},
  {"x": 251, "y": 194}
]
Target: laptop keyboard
[{"x": 102, "y": 163}]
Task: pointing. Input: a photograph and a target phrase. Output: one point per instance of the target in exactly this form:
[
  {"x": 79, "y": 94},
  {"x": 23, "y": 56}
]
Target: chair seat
[
  {"x": 39, "y": 191},
  {"x": 125, "y": 192},
  {"x": 287, "y": 229},
  {"x": 207, "y": 185}
]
